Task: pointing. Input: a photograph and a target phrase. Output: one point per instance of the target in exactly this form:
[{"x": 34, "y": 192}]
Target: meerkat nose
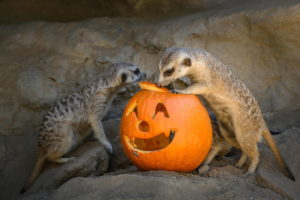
[{"x": 144, "y": 76}]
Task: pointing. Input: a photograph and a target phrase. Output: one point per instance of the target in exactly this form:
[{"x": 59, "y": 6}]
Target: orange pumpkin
[{"x": 165, "y": 131}]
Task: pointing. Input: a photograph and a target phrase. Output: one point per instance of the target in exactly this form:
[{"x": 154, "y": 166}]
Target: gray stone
[
  {"x": 91, "y": 159},
  {"x": 163, "y": 185}
]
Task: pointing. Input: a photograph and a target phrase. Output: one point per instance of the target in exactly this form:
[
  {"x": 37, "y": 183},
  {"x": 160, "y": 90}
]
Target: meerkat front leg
[
  {"x": 197, "y": 88},
  {"x": 99, "y": 133},
  {"x": 214, "y": 151}
]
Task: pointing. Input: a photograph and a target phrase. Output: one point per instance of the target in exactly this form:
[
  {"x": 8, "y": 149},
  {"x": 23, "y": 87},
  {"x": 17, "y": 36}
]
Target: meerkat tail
[
  {"x": 40, "y": 162},
  {"x": 271, "y": 143}
]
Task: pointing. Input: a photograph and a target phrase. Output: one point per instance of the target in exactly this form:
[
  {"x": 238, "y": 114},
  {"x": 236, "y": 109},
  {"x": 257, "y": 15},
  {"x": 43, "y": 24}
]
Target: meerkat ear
[
  {"x": 187, "y": 62},
  {"x": 123, "y": 77}
]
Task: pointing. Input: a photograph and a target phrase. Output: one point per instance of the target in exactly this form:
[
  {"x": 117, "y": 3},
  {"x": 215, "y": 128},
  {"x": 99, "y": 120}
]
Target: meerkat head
[
  {"x": 128, "y": 73},
  {"x": 174, "y": 64}
]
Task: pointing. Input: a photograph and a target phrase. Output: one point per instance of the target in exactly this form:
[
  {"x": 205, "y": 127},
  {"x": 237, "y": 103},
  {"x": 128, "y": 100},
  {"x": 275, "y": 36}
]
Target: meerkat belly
[{"x": 224, "y": 113}]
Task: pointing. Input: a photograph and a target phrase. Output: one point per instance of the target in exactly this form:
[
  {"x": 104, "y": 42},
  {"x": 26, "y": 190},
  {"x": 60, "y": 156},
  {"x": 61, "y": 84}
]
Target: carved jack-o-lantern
[{"x": 165, "y": 131}]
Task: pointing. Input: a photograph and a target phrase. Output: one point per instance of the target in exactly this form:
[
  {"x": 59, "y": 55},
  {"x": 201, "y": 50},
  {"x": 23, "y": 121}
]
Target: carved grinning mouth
[{"x": 155, "y": 143}]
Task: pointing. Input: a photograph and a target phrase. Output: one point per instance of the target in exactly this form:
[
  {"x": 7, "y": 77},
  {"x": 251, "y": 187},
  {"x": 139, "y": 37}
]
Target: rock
[
  {"x": 269, "y": 175},
  {"x": 283, "y": 121},
  {"x": 56, "y": 10},
  {"x": 91, "y": 159},
  {"x": 44, "y": 195},
  {"x": 163, "y": 185}
]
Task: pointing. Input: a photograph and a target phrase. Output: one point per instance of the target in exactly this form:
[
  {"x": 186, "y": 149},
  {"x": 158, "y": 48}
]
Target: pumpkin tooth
[
  {"x": 171, "y": 135},
  {"x": 166, "y": 133},
  {"x": 132, "y": 142}
]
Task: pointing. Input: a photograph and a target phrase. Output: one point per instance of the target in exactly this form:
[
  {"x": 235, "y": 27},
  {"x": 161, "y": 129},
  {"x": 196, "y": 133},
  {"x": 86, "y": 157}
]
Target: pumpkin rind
[
  {"x": 151, "y": 86},
  {"x": 187, "y": 117}
]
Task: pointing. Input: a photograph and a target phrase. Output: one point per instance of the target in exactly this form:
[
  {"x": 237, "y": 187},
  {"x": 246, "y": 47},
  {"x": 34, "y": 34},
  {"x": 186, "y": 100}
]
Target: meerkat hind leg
[
  {"x": 249, "y": 148},
  {"x": 254, "y": 162},
  {"x": 242, "y": 160}
]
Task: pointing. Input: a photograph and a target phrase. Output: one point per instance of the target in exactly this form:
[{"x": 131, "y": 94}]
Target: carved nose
[{"x": 144, "y": 126}]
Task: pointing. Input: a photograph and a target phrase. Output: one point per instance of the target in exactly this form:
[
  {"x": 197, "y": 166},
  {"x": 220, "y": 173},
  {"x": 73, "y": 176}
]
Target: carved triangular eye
[
  {"x": 135, "y": 110},
  {"x": 161, "y": 108},
  {"x": 132, "y": 108}
]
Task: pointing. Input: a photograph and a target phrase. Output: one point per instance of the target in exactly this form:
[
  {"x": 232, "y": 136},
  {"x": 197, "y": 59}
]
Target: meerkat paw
[
  {"x": 203, "y": 169},
  {"x": 108, "y": 147},
  {"x": 242, "y": 161},
  {"x": 174, "y": 91},
  {"x": 247, "y": 174},
  {"x": 239, "y": 164}
]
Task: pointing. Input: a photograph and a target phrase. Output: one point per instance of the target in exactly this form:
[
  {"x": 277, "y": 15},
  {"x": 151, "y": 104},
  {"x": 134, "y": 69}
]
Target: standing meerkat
[
  {"x": 239, "y": 117},
  {"x": 68, "y": 121}
]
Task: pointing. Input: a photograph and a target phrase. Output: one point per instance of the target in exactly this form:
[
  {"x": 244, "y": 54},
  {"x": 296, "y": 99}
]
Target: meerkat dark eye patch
[
  {"x": 123, "y": 77},
  {"x": 137, "y": 71},
  {"x": 187, "y": 62},
  {"x": 169, "y": 72}
]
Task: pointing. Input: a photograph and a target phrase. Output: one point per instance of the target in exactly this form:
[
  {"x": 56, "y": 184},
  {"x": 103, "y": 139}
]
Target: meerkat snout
[
  {"x": 173, "y": 65},
  {"x": 131, "y": 74},
  {"x": 142, "y": 76}
]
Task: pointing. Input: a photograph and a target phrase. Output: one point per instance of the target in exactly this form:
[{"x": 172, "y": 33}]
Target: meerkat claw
[
  {"x": 246, "y": 175},
  {"x": 109, "y": 148},
  {"x": 203, "y": 169},
  {"x": 174, "y": 91}
]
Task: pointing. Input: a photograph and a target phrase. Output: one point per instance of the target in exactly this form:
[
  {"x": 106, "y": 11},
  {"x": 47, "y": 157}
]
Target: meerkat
[
  {"x": 238, "y": 114},
  {"x": 219, "y": 146},
  {"x": 67, "y": 123}
]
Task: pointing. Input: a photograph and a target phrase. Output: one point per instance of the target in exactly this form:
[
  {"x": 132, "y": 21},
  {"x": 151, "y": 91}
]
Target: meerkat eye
[
  {"x": 169, "y": 72},
  {"x": 187, "y": 62},
  {"x": 123, "y": 77},
  {"x": 137, "y": 71}
]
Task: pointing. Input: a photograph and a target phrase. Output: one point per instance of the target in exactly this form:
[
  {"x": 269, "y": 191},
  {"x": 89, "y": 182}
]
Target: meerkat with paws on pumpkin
[
  {"x": 67, "y": 123},
  {"x": 239, "y": 117}
]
